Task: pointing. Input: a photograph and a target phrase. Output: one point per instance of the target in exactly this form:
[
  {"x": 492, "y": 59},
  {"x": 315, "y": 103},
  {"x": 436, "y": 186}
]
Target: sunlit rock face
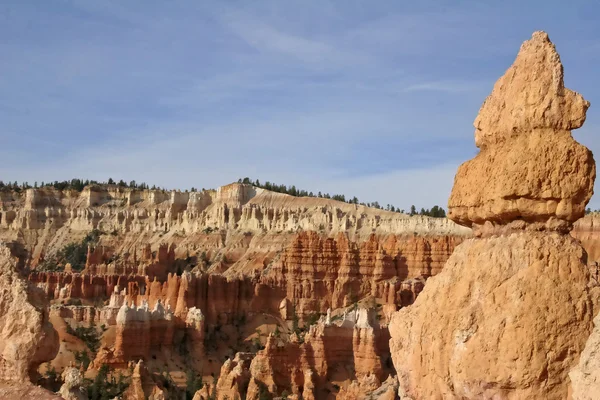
[
  {"x": 27, "y": 339},
  {"x": 529, "y": 168},
  {"x": 510, "y": 313}
]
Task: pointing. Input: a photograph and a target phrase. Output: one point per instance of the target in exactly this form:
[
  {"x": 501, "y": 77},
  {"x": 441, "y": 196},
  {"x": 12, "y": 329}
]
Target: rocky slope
[{"x": 512, "y": 309}]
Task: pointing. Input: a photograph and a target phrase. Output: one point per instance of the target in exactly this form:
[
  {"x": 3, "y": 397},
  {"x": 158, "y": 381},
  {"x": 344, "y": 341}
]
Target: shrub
[
  {"x": 82, "y": 358},
  {"x": 106, "y": 387},
  {"x": 88, "y": 335},
  {"x": 193, "y": 384}
]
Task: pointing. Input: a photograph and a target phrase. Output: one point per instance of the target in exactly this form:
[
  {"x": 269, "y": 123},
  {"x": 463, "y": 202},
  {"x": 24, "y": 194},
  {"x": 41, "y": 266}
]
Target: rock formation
[
  {"x": 587, "y": 230},
  {"x": 529, "y": 168},
  {"x": 72, "y": 388},
  {"x": 358, "y": 391},
  {"x": 142, "y": 386},
  {"x": 313, "y": 272},
  {"x": 60, "y": 216},
  {"x": 585, "y": 377},
  {"x": 234, "y": 377},
  {"x": 27, "y": 339},
  {"x": 318, "y": 273},
  {"x": 510, "y": 313},
  {"x": 139, "y": 330},
  {"x": 171, "y": 268},
  {"x": 353, "y": 346}
]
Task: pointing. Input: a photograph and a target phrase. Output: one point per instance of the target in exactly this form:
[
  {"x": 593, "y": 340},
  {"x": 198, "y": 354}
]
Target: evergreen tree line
[
  {"x": 78, "y": 185},
  {"x": 436, "y": 211}
]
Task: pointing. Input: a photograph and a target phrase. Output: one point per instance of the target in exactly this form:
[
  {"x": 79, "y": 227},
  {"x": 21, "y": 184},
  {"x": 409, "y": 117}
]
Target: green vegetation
[
  {"x": 82, "y": 358},
  {"x": 79, "y": 184},
  {"x": 52, "y": 379},
  {"x": 74, "y": 184},
  {"x": 193, "y": 384},
  {"x": 295, "y": 320},
  {"x": 73, "y": 253},
  {"x": 89, "y": 335},
  {"x": 312, "y": 319},
  {"x": 105, "y": 386},
  {"x": 263, "y": 391},
  {"x": 436, "y": 211}
]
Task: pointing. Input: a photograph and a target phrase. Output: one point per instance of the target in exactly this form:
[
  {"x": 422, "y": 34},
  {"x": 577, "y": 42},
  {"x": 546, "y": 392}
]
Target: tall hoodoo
[
  {"x": 511, "y": 311},
  {"x": 27, "y": 339},
  {"x": 529, "y": 168}
]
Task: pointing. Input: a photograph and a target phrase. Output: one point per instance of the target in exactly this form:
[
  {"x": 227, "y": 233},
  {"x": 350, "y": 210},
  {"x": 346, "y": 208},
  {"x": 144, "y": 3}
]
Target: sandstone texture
[
  {"x": 529, "y": 167},
  {"x": 507, "y": 317},
  {"x": 142, "y": 386},
  {"x": 27, "y": 339},
  {"x": 26, "y": 391},
  {"x": 587, "y": 230},
  {"x": 585, "y": 377},
  {"x": 510, "y": 313}
]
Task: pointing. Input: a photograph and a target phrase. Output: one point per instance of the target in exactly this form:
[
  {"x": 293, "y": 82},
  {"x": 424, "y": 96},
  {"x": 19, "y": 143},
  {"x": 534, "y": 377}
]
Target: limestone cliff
[
  {"x": 46, "y": 219},
  {"x": 511, "y": 311}
]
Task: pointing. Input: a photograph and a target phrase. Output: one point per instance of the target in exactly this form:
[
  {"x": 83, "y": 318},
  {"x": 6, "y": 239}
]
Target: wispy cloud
[
  {"x": 443, "y": 86},
  {"x": 373, "y": 99}
]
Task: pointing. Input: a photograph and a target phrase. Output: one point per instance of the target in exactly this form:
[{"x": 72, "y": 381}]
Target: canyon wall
[{"x": 45, "y": 219}]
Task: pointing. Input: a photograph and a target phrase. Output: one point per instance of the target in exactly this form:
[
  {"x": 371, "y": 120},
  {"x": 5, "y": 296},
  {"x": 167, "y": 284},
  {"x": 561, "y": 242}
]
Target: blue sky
[{"x": 373, "y": 99}]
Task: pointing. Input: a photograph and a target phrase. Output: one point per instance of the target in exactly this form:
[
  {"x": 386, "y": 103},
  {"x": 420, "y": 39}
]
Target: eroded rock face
[
  {"x": 529, "y": 167},
  {"x": 27, "y": 339},
  {"x": 511, "y": 311},
  {"x": 506, "y": 317},
  {"x": 355, "y": 344},
  {"x": 587, "y": 230},
  {"x": 142, "y": 385},
  {"x": 234, "y": 377}
]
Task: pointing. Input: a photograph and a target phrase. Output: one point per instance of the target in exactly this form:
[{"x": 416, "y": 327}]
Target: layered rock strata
[
  {"x": 510, "y": 313},
  {"x": 313, "y": 273},
  {"x": 529, "y": 168},
  {"x": 45, "y": 219}
]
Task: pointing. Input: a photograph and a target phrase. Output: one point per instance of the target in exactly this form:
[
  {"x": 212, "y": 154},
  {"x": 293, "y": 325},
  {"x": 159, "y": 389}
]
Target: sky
[{"x": 368, "y": 99}]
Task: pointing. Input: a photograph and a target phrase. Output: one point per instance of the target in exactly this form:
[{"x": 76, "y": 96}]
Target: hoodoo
[
  {"x": 27, "y": 339},
  {"x": 510, "y": 313}
]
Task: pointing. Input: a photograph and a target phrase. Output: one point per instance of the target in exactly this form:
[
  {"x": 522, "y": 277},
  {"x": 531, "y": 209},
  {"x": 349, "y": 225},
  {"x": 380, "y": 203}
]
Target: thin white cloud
[
  {"x": 199, "y": 95},
  {"x": 443, "y": 86}
]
